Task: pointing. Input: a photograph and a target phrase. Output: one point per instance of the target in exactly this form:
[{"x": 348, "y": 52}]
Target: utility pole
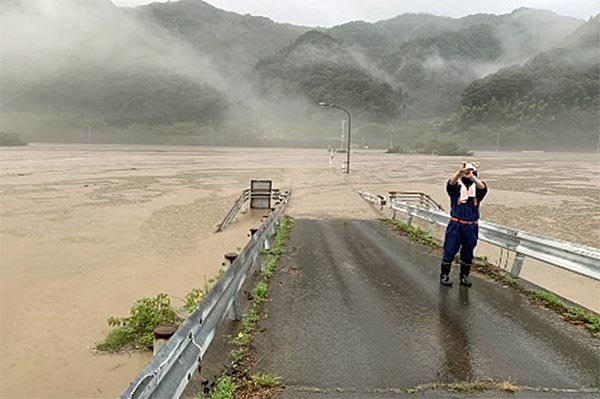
[{"x": 349, "y": 130}]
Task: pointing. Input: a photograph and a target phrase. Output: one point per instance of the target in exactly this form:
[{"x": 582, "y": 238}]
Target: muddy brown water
[{"x": 87, "y": 230}]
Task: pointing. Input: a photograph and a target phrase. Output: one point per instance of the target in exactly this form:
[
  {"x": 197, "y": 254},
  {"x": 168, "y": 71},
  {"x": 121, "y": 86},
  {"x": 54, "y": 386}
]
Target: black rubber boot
[
  {"x": 465, "y": 269},
  {"x": 445, "y": 274}
]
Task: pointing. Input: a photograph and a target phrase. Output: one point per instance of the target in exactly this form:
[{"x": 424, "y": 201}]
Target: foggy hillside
[
  {"x": 556, "y": 93},
  {"x": 522, "y": 32},
  {"x": 236, "y": 42},
  {"x": 187, "y": 71},
  {"x": 323, "y": 69}
]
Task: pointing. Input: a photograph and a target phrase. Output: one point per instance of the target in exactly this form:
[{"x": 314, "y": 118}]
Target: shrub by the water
[{"x": 136, "y": 331}]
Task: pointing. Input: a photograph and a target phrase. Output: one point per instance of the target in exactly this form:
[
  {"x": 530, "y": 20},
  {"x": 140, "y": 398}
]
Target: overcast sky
[{"x": 334, "y": 12}]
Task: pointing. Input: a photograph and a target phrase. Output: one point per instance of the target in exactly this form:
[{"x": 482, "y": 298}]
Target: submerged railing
[
  {"x": 237, "y": 207},
  {"x": 241, "y": 204},
  {"x": 576, "y": 258}
]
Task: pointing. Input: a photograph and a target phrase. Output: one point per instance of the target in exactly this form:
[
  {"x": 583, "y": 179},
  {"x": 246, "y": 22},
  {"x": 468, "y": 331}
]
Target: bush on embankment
[{"x": 136, "y": 331}]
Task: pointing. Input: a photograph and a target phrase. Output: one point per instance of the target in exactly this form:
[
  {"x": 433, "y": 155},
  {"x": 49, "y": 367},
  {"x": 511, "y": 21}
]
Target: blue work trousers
[{"x": 461, "y": 237}]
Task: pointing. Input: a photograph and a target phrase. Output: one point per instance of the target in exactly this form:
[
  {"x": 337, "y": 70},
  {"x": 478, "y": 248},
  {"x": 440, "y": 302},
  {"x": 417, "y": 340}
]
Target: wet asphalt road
[{"x": 357, "y": 311}]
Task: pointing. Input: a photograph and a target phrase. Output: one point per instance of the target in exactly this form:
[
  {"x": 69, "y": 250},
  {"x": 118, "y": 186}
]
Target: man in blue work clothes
[{"x": 466, "y": 192}]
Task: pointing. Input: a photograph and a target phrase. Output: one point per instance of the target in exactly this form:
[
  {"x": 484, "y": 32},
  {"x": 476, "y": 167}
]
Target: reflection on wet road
[{"x": 356, "y": 307}]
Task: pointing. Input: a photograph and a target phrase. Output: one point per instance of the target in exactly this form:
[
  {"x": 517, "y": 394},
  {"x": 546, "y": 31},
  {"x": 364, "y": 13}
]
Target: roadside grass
[
  {"x": 224, "y": 388},
  {"x": 414, "y": 233},
  {"x": 265, "y": 380},
  {"x": 238, "y": 373},
  {"x": 572, "y": 314}
]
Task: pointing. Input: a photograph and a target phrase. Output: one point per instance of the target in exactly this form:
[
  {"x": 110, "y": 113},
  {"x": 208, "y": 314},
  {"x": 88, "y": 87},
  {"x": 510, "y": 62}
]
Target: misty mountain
[
  {"x": 235, "y": 42},
  {"x": 419, "y": 63},
  {"x": 522, "y": 33},
  {"x": 555, "y": 94},
  {"x": 67, "y": 64},
  {"x": 90, "y": 63},
  {"x": 433, "y": 58},
  {"x": 323, "y": 69}
]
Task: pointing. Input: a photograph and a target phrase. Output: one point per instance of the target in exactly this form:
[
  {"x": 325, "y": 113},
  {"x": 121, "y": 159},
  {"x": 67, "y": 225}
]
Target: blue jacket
[{"x": 470, "y": 209}]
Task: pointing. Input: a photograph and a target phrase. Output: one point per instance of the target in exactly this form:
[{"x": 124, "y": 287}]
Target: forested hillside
[
  {"x": 235, "y": 42},
  {"x": 321, "y": 68},
  {"x": 554, "y": 97}
]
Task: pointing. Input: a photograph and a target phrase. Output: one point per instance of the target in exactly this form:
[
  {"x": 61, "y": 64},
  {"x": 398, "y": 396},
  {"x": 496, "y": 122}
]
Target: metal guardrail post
[
  {"x": 161, "y": 336},
  {"x": 234, "y": 310},
  {"x": 256, "y": 265},
  {"x": 431, "y": 227},
  {"x": 517, "y": 264}
]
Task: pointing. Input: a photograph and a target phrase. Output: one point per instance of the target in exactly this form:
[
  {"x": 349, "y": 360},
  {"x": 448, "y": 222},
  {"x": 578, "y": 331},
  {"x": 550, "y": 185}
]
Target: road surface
[{"x": 357, "y": 312}]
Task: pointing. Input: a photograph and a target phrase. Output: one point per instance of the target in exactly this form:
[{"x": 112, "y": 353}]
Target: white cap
[{"x": 470, "y": 165}]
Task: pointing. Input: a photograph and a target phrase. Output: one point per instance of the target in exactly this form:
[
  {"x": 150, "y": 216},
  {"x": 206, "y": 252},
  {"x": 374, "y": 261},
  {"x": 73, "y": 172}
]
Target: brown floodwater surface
[{"x": 87, "y": 230}]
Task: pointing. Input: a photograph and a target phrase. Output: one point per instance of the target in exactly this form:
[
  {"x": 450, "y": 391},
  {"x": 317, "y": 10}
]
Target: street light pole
[{"x": 349, "y": 130}]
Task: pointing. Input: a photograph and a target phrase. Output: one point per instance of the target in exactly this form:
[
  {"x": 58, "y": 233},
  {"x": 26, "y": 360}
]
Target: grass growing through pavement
[
  {"x": 572, "y": 313},
  {"x": 508, "y": 386},
  {"x": 265, "y": 380},
  {"x": 414, "y": 233},
  {"x": 239, "y": 382}
]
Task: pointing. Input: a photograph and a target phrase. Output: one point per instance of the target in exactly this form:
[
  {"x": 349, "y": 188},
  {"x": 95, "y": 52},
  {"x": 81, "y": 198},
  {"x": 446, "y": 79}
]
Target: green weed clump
[
  {"x": 224, "y": 388},
  {"x": 196, "y": 295},
  {"x": 265, "y": 380},
  {"x": 193, "y": 298},
  {"x": 136, "y": 331},
  {"x": 572, "y": 313},
  {"x": 261, "y": 292},
  {"x": 414, "y": 233}
]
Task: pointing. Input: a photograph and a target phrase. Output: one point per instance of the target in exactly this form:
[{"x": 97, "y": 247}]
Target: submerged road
[{"x": 357, "y": 312}]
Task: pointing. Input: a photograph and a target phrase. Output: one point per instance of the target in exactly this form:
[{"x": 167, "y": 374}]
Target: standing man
[{"x": 466, "y": 192}]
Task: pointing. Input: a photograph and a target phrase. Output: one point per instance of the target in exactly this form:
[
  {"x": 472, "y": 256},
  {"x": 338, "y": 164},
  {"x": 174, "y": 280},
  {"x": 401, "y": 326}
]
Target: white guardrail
[
  {"x": 576, "y": 258},
  {"x": 169, "y": 371}
]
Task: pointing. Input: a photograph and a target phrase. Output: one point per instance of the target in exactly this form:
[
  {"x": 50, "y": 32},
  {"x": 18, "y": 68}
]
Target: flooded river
[{"x": 87, "y": 230}]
